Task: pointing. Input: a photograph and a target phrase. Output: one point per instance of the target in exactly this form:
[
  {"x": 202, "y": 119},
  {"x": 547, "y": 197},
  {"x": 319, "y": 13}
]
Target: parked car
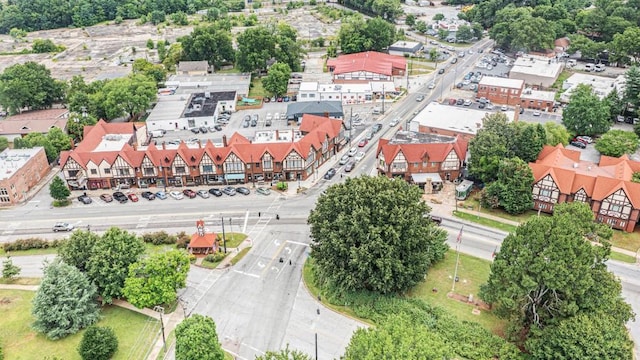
[
  {"x": 203, "y": 194},
  {"x": 359, "y": 156},
  {"x": 106, "y": 198},
  {"x": 454, "y": 60},
  {"x": 521, "y": 110},
  {"x": 161, "y": 195},
  {"x": 536, "y": 113},
  {"x": 504, "y": 108},
  {"x": 460, "y": 102},
  {"x": 329, "y": 174},
  {"x": 85, "y": 199},
  {"x": 263, "y": 191},
  {"x": 467, "y": 103},
  {"x": 350, "y": 165},
  {"x": 189, "y": 193},
  {"x": 229, "y": 190},
  {"x": 120, "y": 197},
  {"x": 203, "y": 129},
  {"x": 437, "y": 220},
  {"x": 489, "y": 106},
  {"x": 176, "y": 195},
  {"x": 369, "y": 135},
  {"x": 452, "y": 101},
  {"x": 133, "y": 197},
  {"x": 481, "y": 106},
  {"x": 195, "y": 130},
  {"x": 394, "y": 122},
  {"x": 243, "y": 190},
  {"x": 578, "y": 144},
  {"x": 352, "y": 151},
  {"x": 344, "y": 159},
  {"x": 363, "y": 143},
  {"x": 62, "y": 226},
  {"x": 431, "y": 86},
  {"x": 148, "y": 195},
  {"x": 376, "y": 128},
  {"x": 218, "y": 127},
  {"x": 267, "y": 122},
  {"x": 215, "y": 192},
  {"x": 585, "y": 139}
]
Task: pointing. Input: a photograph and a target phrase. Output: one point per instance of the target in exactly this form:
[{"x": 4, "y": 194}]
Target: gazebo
[{"x": 203, "y": 242}]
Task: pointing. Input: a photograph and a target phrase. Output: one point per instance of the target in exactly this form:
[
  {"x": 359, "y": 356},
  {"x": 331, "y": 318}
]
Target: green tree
[
  {"x": 284, "y": 354},
  {"x": 256, "y": 46},
  {"x": 157, "y": 16},
  {"x": 76, "y": 124},
  {"x": 196, "y": 339},
  {"x": 277, "y": 80},
  {"x": 464, "y": 33},
  {"x": 174, "y": 54},
  {"x": 155, "y": 280},
  {"x": 632, "y": 87},
  {"x": 586, "y": 336},
  {"x": 410, "y": 20},
  {"x": 65, "y": 302},
  {"x": 29, "y": 86},
  {"x": 130, "y": 95},
  {"x": 556, "y": 134},
  {"x": 58, "y": 189},
  {"x": 477, "y": 30},
  {"x": 9, "y": 271},
  {"x": 210, "y": 43},
  {"x": 400, "y": 336},
  {"x": 150, "y": 70},
  {"x": 546, "y": 271},
  {"x": 438, "y": 17},
  {"x": 98, "y": 343},
  {"x": 41, "y": 46},
  {"x": 17, "y": 34},
  {"x": 78, "y": 249},
  {"x": 370, "y": 233},
  {"x": 358, "y": 35},
  {"x": 626, "y": 44},
  {"x": 180, "y": 18},
  {"x": 4, "y": 143},
  {"x": 443, "y": 34},
  {"x": 512, "y": 188},
  {"x": 108, "y": 267},
  {"x": 615, "y": 103},
  {"x": 586, "y": 114},
  {"x": 36, "y": 139},
  {"x": 58, "y": 140},
  {"x": 616, "y": 143}
]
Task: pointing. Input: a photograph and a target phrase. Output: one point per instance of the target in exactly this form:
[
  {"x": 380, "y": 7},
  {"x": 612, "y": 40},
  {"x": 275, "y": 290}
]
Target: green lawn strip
[
  {"x": 233, "y": 239},
  {"x": 625, "y": 240},
  {"x": 472, "y": 272},
  {"x": 309, "y": 281},
  {"x": 240, "y": 255},
  {"x": 170, "y": 340},
  {"x": 622, "y": 257},
  {"x": 474, "y": 204},
  {"x": 135, "y": 331},
  {"x": 47, "y": 251},
  {"x": 21, "y": 281},
  {"x": 256, "y": 90},
  {"x": 484, "y": 221},
  {"x": 151, "y": 249},
  {"x": 212, "y": 265}
]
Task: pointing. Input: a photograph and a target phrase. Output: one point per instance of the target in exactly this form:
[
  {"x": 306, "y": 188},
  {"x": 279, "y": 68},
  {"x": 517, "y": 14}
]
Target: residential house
[{"x": 38, "y": 121}]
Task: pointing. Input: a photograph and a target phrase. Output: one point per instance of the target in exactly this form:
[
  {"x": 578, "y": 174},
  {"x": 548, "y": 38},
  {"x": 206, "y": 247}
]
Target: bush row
[
  {"x": 31, "y": 243},
  {"x": 181, "y": 239}
]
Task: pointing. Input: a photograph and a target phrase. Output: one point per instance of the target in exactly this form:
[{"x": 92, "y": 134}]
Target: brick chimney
[
  {"x": 224, "y": 140},
  {"x": 135, "y": 146},
  {"x": 164, "y": 145}
]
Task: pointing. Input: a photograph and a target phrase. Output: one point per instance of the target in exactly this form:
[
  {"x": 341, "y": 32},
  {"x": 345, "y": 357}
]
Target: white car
[
  {"x": 344, "y": 159},
  {"x": 431, "y": 85},
  {"x": 62, "y": 226},
  {"x": 176, "y": 195},
  {"x": 203, "y": 194},
  {"x": 352, "y": 151},
  {"x": 536, "y": 113},
  {"x": 504, "y": 108},
  {"x": 269, "y": 117},
  {"x": 359, "y": 156},
  {"x": 489, "y": 106},
  {"x": 394, "y": 122}
]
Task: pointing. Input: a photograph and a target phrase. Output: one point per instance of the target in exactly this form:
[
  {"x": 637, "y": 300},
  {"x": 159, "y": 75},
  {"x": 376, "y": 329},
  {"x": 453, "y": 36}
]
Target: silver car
[{"x": 62, "y": 226}]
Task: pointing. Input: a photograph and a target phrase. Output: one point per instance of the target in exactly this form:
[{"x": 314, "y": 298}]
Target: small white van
[{"x": 589, "y": 67}]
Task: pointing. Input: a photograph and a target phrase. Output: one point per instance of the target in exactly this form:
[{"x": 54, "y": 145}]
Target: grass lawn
[
  {"x": 622, "y": 257},
  {"x": 472, "y": 272},
  {"x": 256, "y": 89},
  {"x": 484, "y": 221},
  {"x": 474, "y": 204},
  {"x": 214, "y": 264},
  {"x": 21, "y": 281},
  {"x": 240, "y": 255},
  {"x": 151, "y": 249},
  {"x": 135, "y": 332},
  {"x": 46, "y": 251},
  {"x": 233, "y": 239},
  {"x": 624, "y": 240}
]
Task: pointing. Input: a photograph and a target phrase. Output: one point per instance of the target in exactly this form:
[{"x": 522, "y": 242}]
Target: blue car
[{"x": 161, "y": 195}]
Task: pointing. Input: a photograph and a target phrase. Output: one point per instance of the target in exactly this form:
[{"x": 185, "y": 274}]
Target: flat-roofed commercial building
[
  {"x": 20, "y": 170},
  {"x": 501, "y": 90},
  {"x": 537, "y": 72}
]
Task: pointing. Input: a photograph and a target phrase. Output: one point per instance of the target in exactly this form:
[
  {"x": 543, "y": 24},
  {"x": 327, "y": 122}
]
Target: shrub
[
  {"x": 159, "y": 238},
  {"x": 182, "y": 240},
  {"x": 30, "y": 243},
  {"x": 282, "y": 186},
  {"x": 192, "y": 258},
  {"x": 214, "y": 257},
  {"x": 98, "y": 343}
]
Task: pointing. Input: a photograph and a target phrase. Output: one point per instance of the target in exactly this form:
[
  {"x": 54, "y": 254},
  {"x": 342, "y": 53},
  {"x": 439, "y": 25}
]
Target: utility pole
[
  {"x": 350, "y": 126},
  {"x": 383, "y": 98},
  {"x": 224, "y": 239},
  {"x": 160, "y": 310}
]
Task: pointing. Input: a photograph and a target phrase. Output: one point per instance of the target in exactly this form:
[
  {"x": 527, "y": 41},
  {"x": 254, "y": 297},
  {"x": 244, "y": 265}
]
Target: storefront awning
[
  {"x": 234, "y": 176},
  {"x": 421, "y": 178}
]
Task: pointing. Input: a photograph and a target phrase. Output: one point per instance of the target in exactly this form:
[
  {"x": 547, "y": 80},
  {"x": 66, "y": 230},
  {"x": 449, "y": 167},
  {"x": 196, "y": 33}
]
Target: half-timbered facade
[
  {"x": 419, "y": 162},
  {"x": 560, "y": 176},
  {"x": 237, "y": 161}
]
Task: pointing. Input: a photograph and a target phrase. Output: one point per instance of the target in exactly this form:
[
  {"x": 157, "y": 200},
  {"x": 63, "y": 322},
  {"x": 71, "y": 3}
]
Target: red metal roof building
[
  {"x": 366, "y": 66},
  {"x": 110, "y": 156},
  {"x": 203, "y": 242},
  {"x": 560, "y": 176}
]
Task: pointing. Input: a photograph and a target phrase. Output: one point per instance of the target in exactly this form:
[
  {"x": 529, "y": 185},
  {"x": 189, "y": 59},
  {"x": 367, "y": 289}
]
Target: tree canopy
[
  {"x": 617, "y": 142},
  {"x": 556, "y": 134},
  {"x": 284, "y": 354},
  {"x": 211, "y": 43},
  {"x": 156, "y": 279},
  {"x": 28, "y": 86},
  {"x": 547, "y": 271},
  {"x": 197, "y": 339},
  {"x": 98, "y": 343},
  {"x": 512, "y": 188},
  {"x": 108, "y": 266},
  {"x": 78, "y": 249},
  {"x": 371, "y": 233},
  {"x": 58, "y": 189},
  {"x": 260, "y": 44},
  {"x": 386, "y": 9},
  {"x": 65, "y": 301},
  {"x": 358, "y": 35},
  {"x": 129, "y": 95},
  {"x": 277, "y": 80},
  {"x": 586, "y": 114}
]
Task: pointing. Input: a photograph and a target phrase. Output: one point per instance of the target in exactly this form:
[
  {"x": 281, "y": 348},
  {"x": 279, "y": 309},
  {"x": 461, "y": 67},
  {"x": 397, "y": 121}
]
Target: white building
[
  {"x": 601, "y": 85},
  {"x": 536, "y": 71},
  {"x": 350, "y": 93}
]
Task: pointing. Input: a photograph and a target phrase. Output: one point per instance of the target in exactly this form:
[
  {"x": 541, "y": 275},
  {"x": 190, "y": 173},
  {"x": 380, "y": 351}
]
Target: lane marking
[{"x": 247, "y": 274}]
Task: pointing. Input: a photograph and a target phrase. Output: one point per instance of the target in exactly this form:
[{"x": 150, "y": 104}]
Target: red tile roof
[
  {"x": 206, "y": 241},
  {"x": 34, "y": 121},
  {"x": 371, "y": 61},
  {"x": 432, "y": 152},
  {"x": 598, "y": 180}
]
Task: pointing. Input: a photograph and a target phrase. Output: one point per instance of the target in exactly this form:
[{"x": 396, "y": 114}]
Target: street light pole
[
  {"x": 350, "y": 126},
  {"x": 383, "y": 98},
  {"x": 224, "y": 239}
]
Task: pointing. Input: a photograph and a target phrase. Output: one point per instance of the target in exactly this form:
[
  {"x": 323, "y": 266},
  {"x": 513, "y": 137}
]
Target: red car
[
  {"x": 363, "y": 143},
  {"x": 133, "y": 197},
  {"x": 189, "y": 193}
]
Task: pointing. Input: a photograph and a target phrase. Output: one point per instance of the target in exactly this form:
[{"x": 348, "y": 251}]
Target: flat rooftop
[
  {"x": 210, "y": 82},
  {"x": 501, "y": 82},
  {"x": 601, "y": 85},
  {"x": 11, "y": 160},
  {"x": 112, "y": 142},
  {"x": 412, "y": 137},
  {"x": 277, "y": 136},
  {"x": 531, "y": 94},
  {"x": 536, "y": 66},
  {"x": 453, "y": 118}
]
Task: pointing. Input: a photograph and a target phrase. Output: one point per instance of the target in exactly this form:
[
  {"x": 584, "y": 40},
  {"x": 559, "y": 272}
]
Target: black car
[
  {"x": 579, "y": 144},
  {"x": 215, "y": 192},
  {"x": 481, "y": 106},
  {"x": 441, "y": 71},
  {"x": 459, "y": 101},
  {"x": 243, "y": 190},
  {"x": 148, "y": 195},
  {"x": 195, "y": 130},
  {"x": 377, "y": 127},
  {"x": 218, "y": 128},
  {"x": 203, "y": 129},
  {"x": 120, "y": 197},
  {"x": 329, "y": 174},
  {"x": 85, "y": 199}
]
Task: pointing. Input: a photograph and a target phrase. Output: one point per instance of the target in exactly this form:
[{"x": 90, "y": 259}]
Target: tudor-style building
[
  {"x": 560, "y": 176},
  {"x": 420, "y": 158},
  {"x": 110, "y": 156}
]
